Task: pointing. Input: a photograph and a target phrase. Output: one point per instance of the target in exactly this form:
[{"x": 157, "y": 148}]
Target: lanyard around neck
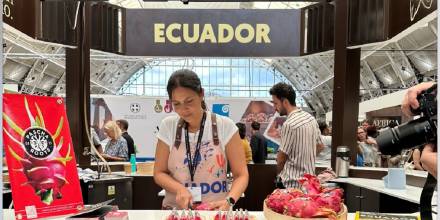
[{"x": 193, "y": 161}]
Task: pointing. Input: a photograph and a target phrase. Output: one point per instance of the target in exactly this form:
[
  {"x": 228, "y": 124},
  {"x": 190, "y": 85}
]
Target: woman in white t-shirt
[{"x": 192, "y": 152}]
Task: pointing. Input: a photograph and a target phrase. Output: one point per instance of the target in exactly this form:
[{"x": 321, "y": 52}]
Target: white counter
[
  {"x": 318, "y": 164},
  {"x": 8, "y": 214},
  {"x": 411, "y": 193},
  {"x": 418, "y": 173}
]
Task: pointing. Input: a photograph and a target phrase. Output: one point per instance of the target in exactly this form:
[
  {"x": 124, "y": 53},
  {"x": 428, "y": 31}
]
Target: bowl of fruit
[{"x": 311, "y": 201}]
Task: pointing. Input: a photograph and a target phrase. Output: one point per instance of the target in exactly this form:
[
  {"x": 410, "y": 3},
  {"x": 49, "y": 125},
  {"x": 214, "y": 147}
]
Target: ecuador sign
[{"x": 218, "y": 33}]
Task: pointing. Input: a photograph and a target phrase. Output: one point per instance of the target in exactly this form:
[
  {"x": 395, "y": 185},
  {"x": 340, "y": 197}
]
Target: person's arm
[
  {"x": 319, "y": 148},
  {"x": 285, "y": 147},
  {"x": 99, "y": 149},
  {"x": 429, "y": 160},
  {"x": 416, "y": 159},
  {"x": 113, "y": 158},
  {"x": 164, "y": 180},
  {"x": 96, "y": 141},
  {"x": 237, "y": 161},
  {"x": 281, "y": 160},
  {"x": 319, "y": 141}
]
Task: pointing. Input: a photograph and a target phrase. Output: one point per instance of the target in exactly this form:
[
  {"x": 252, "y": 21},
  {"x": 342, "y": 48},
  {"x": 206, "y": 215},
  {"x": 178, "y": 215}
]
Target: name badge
[{"x": 196, "y": 193}]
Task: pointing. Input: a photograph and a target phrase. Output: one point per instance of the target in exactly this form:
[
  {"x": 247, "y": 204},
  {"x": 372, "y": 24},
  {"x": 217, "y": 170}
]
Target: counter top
[
  {"x": 8, "y": 214},
  {"x": 121, "y": 173},
  {"x": 411, "y": 193},
  {"x": 109, "y": 163},
  {"x": 418, "y": 173}
]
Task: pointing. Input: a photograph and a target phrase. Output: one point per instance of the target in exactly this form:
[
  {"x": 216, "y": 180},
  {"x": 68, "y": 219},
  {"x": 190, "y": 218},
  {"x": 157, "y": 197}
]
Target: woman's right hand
[{"x": 183, "y": 198}]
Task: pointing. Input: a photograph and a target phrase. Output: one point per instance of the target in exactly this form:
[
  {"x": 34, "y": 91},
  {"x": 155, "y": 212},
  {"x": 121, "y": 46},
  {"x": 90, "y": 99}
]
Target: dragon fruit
[
  {"x": 277, "y": 200},
  {"x": 46, "y": 175},
  {"x": 301, "y": 207},
  {"x": 202, "y": 206},
  {"x": 295, "y": 193},
  {"x": 331, "y": 199},
  {"x": 310, "y": 184},
  {"x": 220, "y": 215},
  {"x": 312, "y": 201}
]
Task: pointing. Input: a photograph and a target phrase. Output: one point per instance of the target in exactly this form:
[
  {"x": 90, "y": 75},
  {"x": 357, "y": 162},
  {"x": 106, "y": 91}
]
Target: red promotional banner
[{"x": 40, "y": 157}]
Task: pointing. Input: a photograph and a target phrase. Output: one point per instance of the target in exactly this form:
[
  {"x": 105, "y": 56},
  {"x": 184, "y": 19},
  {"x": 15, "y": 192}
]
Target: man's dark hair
[
  {"x": 372, "y": 131},
  {"x": 123, "y": 123},
  {"x": 322, "y": 126},
  {"x": 241, "y": 130},
  {"x": 283, "y": 91},
  {"x": 255, "y": 125}
]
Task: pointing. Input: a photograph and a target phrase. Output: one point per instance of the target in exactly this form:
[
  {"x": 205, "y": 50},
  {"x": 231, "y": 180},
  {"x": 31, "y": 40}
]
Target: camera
[{"x": 416, "y": 132}]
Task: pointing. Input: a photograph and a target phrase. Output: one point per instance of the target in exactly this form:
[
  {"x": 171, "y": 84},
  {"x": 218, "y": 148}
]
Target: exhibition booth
[{"x": 54, "y": 166}]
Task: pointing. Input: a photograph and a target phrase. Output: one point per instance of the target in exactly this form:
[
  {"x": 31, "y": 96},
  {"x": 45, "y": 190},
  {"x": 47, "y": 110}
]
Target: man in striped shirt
[{"x": 300, "y": 137}]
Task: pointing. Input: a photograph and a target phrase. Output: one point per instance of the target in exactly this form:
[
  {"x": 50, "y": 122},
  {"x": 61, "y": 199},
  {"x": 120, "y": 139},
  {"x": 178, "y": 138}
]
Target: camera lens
[{"x": 414, "y": 133}]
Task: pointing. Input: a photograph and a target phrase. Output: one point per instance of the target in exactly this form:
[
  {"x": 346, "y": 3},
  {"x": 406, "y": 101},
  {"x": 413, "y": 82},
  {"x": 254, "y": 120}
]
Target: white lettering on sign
[
  {"x": 7, "y": 4},
  {"x": 385, "y": 122},
  {"x": 244, "y": 33}
]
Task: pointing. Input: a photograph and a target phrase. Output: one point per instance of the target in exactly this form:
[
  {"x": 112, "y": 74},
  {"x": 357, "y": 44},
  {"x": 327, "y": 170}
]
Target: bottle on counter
[
  {"x": 133, "y": 163},
  {"x": 378, "y": 159}
]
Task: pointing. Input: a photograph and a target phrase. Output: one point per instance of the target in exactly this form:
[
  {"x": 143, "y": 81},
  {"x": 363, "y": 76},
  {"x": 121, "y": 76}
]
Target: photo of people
[
  {"x": 259, "y": 111},
  {"x": 273, "y": 132}
]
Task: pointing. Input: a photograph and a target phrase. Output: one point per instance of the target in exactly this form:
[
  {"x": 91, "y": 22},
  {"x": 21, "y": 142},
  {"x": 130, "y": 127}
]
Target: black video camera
[{"x": 416, "y": 132}]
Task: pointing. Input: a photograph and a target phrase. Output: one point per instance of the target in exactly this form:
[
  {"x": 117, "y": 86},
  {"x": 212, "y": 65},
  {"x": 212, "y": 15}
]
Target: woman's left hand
[{"x": 221, "y": 205}]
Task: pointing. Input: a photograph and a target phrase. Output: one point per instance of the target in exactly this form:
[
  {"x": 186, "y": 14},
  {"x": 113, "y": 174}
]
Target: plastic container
[{"x": 133, "y": 163}]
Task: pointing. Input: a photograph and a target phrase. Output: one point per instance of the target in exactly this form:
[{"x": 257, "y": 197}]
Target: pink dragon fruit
[
  {"x": 295, "y": 193},
  {"x": 331, "y": 199},
  {"x": 220, "y": 216},
  {"x": 334, "y": 191},
  {"x": 301, "y": 207},
  {"x": 315, "y": 201},
  {"x": 278, "y": 199},
  {"x": 307, "y": 208},
  {"x": 203, "y": 206},
  {"x": 310, "y": 184}
]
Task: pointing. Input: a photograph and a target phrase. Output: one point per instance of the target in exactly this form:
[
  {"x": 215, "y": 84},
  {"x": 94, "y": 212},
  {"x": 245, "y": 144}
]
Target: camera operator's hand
[
  {"x": 429, "y": 159},
  {"x": 410, "y": 100}
]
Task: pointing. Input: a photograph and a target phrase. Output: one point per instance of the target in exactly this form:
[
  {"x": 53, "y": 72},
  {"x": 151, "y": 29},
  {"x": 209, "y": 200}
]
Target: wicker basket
[{"x": 271, "y": 215}]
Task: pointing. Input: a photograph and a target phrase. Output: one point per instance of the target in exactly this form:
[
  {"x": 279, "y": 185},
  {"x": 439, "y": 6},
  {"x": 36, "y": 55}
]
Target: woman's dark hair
[
  {"x": 284, "y": 91},
  {"x": 241, "y": 129},
  {"x": 187, "y": 79}
]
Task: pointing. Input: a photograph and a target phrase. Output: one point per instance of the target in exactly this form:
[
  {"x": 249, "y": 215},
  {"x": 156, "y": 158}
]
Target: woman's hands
[
  {"x": 183, "y": 198},
  {"x": 221, "y": 205}
]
